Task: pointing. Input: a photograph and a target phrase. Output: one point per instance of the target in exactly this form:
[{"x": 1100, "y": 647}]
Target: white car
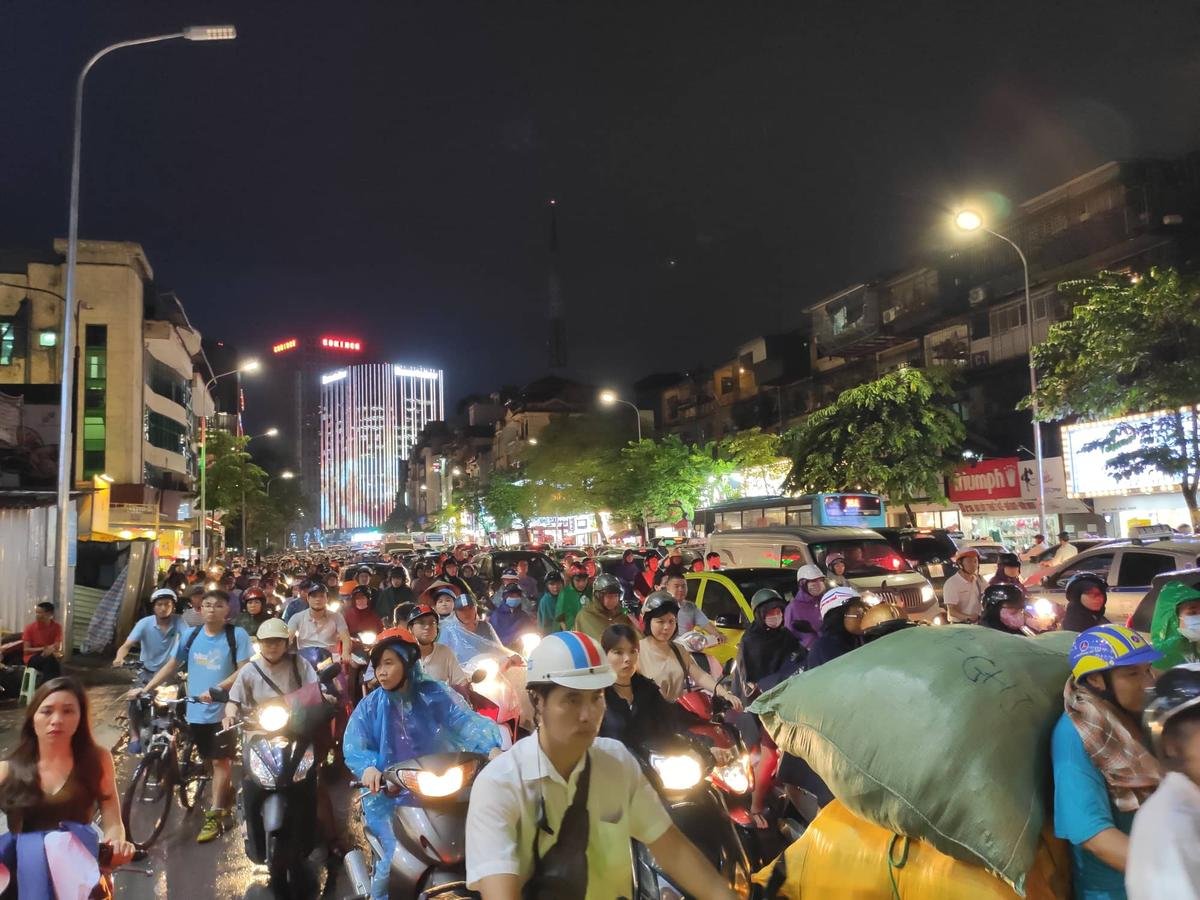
[{"x": 989, "y": 556}]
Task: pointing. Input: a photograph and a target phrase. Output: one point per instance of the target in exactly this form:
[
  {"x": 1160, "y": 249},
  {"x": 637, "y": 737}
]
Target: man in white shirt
[
  {"x": 1039, "y": 547},
  {"x": 562, "y": 793},
  {"x": 963, "y": 591},
  {"x": 317, "y": 626},
  {"x": 437, "y": 660},
  {"x": 1065, "y": 549},
  {"x": 1163, "y": 859}
]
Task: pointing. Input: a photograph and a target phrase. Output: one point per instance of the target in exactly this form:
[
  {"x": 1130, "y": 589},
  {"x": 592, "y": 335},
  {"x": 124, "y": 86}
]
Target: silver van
[{"x": 877, "y": 571}]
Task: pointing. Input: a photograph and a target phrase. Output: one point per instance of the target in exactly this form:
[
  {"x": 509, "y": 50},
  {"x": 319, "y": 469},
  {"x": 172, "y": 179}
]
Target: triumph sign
[{"x": 989, "y": 479}]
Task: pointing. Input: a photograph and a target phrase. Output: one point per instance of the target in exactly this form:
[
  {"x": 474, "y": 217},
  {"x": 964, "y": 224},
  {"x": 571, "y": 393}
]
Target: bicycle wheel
[
  {"x": 193, "y": 777},
  {"x": 147, "y": 802}
]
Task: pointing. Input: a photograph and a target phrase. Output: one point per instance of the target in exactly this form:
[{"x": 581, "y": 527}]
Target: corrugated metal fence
[{"x": 25, "y": 579}]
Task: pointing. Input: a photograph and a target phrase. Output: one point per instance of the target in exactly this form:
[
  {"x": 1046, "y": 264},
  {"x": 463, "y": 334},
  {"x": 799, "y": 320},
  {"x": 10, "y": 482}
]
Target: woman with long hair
[
  {"x": 58, "y": 773},
  {"x": 660, "y": 660},
  {"x": 635, "y": 712}
]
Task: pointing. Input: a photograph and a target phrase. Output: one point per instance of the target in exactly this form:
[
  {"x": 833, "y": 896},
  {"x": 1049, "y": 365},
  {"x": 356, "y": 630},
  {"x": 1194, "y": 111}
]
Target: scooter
[
  {"x": 693, "y": 787},
  {"x": 502, "y": 702},
  {"x": 324, "y": 660},
  {"x": 429, "y": 824},
  {"x": 278, "y": 799}
]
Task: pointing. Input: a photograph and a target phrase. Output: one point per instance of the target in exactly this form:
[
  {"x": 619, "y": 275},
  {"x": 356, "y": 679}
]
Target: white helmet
[
  {"x": 163, "y": 593},
  {"x": 809, "y": 572},
  {"x": 571, "y": 659},
  {"x": 837, "y": 596}
]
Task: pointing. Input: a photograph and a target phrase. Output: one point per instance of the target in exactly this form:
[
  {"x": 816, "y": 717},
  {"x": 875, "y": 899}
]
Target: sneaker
[{"x": 213, "y": 827}]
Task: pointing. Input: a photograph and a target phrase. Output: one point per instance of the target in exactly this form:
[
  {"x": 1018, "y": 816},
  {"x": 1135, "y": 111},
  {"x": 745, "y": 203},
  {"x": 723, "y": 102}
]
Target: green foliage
[
  {"x": 1130, "y": 346},
  {"x": 751, "y": 449},
  {"x": 898, "y": 435},
  {"x": 509, "y": 499},
  {"x": 666, "y": 477},
  {"x": 231, "y": 472},
  {"x": 576, "y": 465}
]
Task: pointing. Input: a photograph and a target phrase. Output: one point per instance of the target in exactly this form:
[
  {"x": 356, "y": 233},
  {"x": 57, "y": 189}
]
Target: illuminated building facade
[{"x": 370, "y": 417}]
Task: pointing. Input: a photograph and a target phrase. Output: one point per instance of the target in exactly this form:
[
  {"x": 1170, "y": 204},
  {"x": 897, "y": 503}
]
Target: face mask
[
  {"x": 1012, "y": 618},
  {"x": 512, "y": 602},
  {"x": 774, "y": 620},
  {"x": 1189, "y": 627}
]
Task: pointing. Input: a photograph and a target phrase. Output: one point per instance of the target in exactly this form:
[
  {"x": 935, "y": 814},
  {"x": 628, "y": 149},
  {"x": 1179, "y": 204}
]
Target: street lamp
[
  {"x": 610, "y": 398},
  {"x": 968, "y": 220},
  {"x": 250, "y": 365},
  {"x": 66, "y": 419},
  {"x": 285, "y": 475},
  {"x": 270, "y": 432}
]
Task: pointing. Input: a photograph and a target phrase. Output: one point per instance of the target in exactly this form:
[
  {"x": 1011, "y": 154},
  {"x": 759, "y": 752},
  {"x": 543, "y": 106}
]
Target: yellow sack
[{"x": 843, "y": 856}]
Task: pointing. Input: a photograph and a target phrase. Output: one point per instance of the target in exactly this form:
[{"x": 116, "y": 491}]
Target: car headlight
[
  {"x": 677, "y": 773},
  {"x": 927, "y": 593},
  {"x": 367, "y": 638},
  {"x": 166, "y": 693},
  {"x": 273, "y": 717},
  {"x": 430, "y": 784},
  {"x": 306, "y": 763},
  {"x": 735, "y": 777},
  {"x": 260, "y": 770}
]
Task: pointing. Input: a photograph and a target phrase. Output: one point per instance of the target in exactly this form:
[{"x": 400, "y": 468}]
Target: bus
[{"x": 858, "y": 509}]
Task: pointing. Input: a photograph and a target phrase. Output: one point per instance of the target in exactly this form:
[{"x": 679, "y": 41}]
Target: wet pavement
[{"x": 177, "y": 866}]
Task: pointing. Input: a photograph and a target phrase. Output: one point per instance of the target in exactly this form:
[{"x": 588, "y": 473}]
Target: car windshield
[
  {"x": 862, "y": 557},
  {"x": 781, "y": 580},
  {"x": 928, "y": 547},
  {"x": 989, "y": 553}
]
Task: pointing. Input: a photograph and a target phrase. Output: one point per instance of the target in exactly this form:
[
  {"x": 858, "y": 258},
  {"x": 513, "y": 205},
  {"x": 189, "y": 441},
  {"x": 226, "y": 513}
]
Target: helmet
[
  {"x": 1175, "y": 691},
  {"x": 253, "y": 594},
  {"x": 273, "y": 628},
  {"x": 398, "y": 572},
  {"x": 1107, "y": 647},
  {"x": 884, "y": 618},
  {"x": 317, "y": 587},
  {"x": 1081, "y": 582},
  {"x": 512, "y": 589},
  {"x": 605, "y": 584},
  {"x": 509, "y": 573},
  {"x": 164, "y": 594},
  {"x": 657, "y": 604},
  {"x": 445, "y": 590},
  {"x": 461, "y": 601},
  {"x": 1008, "y": 559},
  {"x": 571, "y": 659},
  {"x": 809, "y": 572},
  {"x": 764, "y": 596},
  {"x": 1002, "y": 595},
  {"x": 834, "y": 558},
  {"x": 552, "y": 575},
  {"x": 418, "y": 610},
  {"x": 836, "y": 598},
  {"x": 965, "y": 552},
  {"x": 400, "y": 640}
]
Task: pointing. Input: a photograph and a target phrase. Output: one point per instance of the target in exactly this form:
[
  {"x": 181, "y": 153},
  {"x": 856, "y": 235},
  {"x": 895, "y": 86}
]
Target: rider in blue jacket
[{"x": 409, "y": 716}]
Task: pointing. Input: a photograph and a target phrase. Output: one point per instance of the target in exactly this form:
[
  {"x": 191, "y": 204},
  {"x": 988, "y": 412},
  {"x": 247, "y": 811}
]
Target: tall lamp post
[
  {"x": 270, "y": 432},
  {"x": 66, "y": 422},
  {"x": 610, "y": 398},
  {"x": 969, "y": 220},
  {"x": 249, "y": 365}
]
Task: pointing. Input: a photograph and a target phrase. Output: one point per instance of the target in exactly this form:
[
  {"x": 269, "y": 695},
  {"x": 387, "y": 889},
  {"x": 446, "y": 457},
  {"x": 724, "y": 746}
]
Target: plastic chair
[{"x": 29, "y": 684}]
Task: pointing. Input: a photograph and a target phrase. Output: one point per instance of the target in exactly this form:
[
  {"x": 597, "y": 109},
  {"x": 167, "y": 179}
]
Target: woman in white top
[{"x": 666, "y": 664}]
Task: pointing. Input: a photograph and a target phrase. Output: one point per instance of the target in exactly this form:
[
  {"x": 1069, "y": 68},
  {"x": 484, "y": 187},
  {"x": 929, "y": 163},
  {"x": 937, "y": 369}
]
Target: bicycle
[
  {"x": 122, "y": 742},
  {"x": 170, "y": 761}
]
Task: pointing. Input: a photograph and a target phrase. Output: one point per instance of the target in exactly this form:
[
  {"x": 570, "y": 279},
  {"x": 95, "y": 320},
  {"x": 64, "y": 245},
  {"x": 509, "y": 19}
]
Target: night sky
[{"x": 383, "y": 169}]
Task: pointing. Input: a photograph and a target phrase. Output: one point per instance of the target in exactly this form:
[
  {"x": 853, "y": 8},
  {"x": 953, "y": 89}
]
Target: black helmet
[
  {"x": 605, "y": 584},
  {"x": 763, "y": 596},
  {"x": 1008, "y": 559},
  {"x": 553, "y": 575},
  {"x": 1175, "y": 691},
  {"x": 1002, "y": 595},
  {"x": 398, "y": 572},
  {"x": 1082, "y": 581},
  {"x": 659, "y": 603}
]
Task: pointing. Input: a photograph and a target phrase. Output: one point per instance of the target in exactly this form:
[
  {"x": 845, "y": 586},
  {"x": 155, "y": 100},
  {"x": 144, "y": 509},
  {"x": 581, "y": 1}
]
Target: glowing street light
[
  {"x": 609, "y": 398},
  {"x": 968, "y": 220}
]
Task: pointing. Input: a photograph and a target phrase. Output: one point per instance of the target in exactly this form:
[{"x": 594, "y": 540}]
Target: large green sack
[{"x": 938, "y": 733}]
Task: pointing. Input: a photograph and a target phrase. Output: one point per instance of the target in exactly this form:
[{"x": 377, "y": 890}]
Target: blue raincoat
[
  {"x": 390, "y": 727},
  {"x": 469, "y": 644}
]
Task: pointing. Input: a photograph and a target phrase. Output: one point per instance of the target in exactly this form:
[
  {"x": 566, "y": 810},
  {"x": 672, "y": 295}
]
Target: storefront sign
[
  {"x": 989, "y": 479},
  {"x": 1087, "y": 474},
  {"x": 1054, "y": 482}
]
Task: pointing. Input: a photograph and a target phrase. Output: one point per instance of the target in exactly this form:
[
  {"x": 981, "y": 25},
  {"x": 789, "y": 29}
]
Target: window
[
  {"x": 1098, "y": 564},
  {"x": 693, "y": 587},
  {"x": 791, "y": 556},
  {"x": 165, "y": 433},
  {"x": 727, "y": 384},
  {"x": 168, "y": 383},
  {"x": 720, "y": 606},
  {"x": 8, "y": 341},
  {"x": 1008, "y": 318},
  {"x": 95, "y": 393},
  {"x": 1139, "y": 568}
]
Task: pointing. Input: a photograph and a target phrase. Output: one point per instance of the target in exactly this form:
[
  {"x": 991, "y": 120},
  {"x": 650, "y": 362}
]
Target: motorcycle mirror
[
  {"x": 478, "y": 676},
  {"x": 330, "y": 672}
]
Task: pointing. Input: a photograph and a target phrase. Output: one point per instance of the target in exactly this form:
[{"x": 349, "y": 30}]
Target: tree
[
  {"x": 233, "y": 479},
  {"x": 664, "y": 477},
  {"x": 508, "y": 498},
  {"x": 1130, "y": 346},
  {"x": 757, "y": 459},
  {"x": 898, "y": 435}
]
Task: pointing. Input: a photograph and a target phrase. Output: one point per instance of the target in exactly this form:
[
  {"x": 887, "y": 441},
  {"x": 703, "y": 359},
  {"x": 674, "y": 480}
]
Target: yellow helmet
[
  {"x": 1107, "y": 647},
  {"x": 882, "y": 614}
]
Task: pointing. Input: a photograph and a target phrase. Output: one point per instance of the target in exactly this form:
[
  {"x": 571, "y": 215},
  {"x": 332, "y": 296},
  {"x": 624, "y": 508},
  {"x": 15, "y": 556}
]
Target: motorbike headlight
[
  {"x": 211, "y": 586},
  {"x": 367, "y": 638},
  {"x": 677, "y": 773},
  {"x": 273, "y": 717},
  {"x": 489, "y": 667},
  {"x": 333, "y": 605},
  {"x": 306, "y": 763},
  {"x": 529, "y": 643},
  {"x": 927, "y": 593},
  {"x": 166, "y": 693},
  {"x": 260, "y": 769},
  {"x": 939, "y": 620},
  {"x": 870, "y": 598},
  {"x": 431, "y": 784},
  {"x": 735, "y": 777},
  {"x": 1043, "y": 608}
]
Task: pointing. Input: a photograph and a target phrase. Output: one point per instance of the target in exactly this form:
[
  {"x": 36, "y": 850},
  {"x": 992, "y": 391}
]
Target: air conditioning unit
[
  {"x": 977, "y": 295},
  {"x": 889, "y": 315}
]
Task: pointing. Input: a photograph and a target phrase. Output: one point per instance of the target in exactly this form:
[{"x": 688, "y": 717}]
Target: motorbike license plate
[{"x": 935, "y": 570}]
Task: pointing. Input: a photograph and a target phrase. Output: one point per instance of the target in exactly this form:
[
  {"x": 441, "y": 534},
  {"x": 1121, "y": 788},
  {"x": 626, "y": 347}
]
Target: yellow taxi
[{"x": 724, "y": 596}]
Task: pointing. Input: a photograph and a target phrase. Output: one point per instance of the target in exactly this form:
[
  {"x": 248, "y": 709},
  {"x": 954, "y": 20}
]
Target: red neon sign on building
[
  {"x": 338, "y": 343},
  {"x": 282, "y": 346}
]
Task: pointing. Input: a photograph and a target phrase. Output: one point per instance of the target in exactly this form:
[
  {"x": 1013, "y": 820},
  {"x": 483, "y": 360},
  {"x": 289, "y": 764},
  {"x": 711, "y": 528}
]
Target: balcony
[{"x": 854, "y": 325}]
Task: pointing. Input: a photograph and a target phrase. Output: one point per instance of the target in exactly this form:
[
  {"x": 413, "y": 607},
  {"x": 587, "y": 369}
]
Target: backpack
[{"x": 187, "y": 646}]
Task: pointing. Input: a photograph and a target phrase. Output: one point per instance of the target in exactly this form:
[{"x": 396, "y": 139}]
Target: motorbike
[
  {"x": 278, "y": 799},
  {"x": 501, "y": 702},
  {"x": 323, "y": 660},
  {"x": 429, "y": 825},
  {"x": 694, "y": 782}
]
